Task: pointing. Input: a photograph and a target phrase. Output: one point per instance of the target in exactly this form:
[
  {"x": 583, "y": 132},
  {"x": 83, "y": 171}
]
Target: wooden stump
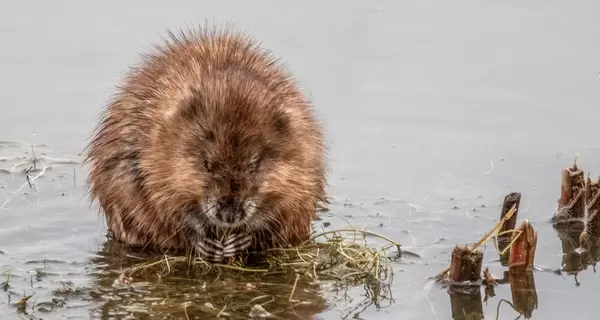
[
  {"x": 592, "y": 189},
  {"x": 505, "y": 232},
  {"x": 572, "y": 193},
  {"x": 465, "y": 269},
  {"x": 524, "y": 294},
  {"x": 592, "y": 196},
  {"x": 510, "y": 200},
  {"x": 522, "y": 253}
]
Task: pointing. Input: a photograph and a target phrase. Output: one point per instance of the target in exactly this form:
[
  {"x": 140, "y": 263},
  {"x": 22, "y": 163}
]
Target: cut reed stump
[
  {"x": 511, "y": 200},
  {"x": 465, "y": 269},
  {"x": 592, "y": 190},
  {"x": 524, "y": 294},
  {"x": 508, "y": 215},
  {"x": 593, "y": 205},
  {"x": 522, "y": 251},
  {"x": 571, "y": 203}
]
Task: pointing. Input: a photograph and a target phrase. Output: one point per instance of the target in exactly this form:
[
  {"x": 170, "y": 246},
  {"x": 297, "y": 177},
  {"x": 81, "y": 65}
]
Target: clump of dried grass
[{"x": 334, "y": 255}]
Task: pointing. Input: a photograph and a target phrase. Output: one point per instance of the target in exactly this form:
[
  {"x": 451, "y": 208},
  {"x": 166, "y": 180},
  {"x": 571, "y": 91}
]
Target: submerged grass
[{"x": 332, "y": 255}]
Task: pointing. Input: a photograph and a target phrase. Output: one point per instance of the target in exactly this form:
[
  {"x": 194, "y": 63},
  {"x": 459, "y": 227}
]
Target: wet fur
[{"x": 146, "y": 160}]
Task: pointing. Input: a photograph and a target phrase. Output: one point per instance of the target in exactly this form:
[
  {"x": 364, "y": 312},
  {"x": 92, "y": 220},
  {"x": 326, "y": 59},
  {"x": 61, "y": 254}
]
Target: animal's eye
[{"x": 255, "y": 164}]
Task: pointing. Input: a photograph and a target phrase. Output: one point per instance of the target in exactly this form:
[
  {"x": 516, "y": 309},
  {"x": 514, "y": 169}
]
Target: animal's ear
[{"x": 258, "y": 157}]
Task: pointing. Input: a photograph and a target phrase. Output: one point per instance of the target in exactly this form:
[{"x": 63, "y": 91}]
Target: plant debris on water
[{"x": 328, "y": 255}]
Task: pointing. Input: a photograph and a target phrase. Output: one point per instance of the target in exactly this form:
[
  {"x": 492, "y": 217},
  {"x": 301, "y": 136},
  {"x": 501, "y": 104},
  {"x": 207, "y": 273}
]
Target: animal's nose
[{"x": 227, "y": 201}]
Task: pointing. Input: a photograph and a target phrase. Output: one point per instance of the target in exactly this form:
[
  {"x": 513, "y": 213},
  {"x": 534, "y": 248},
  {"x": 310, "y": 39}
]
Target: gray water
[{"x": 435, "y": 110}]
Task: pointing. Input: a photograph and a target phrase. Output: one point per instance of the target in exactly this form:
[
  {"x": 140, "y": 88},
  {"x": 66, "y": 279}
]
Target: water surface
[{"x": 435, "y": 110}]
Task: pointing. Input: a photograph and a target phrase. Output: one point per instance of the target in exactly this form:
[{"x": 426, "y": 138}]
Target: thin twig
[{"x": 294, "y": 287}]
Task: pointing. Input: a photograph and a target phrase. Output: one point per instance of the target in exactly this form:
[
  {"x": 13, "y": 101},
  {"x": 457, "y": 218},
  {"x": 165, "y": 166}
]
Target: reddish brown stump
[
  {"x": 592, "y": 197},
  {"x": 522, "y": 252},
  {"x": 465, "y": 269},
  {"x": 572, "y": 199},
  {"x": 592, "y": 189},
  {"x": 505, "y": 234},
  {"x": 590, "y": 237},
  {"x": 465, "y": 283}
]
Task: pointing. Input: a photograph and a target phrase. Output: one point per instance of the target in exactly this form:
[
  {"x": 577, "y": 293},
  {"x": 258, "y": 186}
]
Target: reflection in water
[
  {"x": 580, "y": 250},
  {"x": 568, "y": 234},
  {"x": 185, "y": 293},
  {"x": 179, "y": 291},
  {"x": 591, "y": 252},
  {"x": 374, "y": 295},
  {"x": 466, "y": 306},
  {"x": 524, "y": 294}
]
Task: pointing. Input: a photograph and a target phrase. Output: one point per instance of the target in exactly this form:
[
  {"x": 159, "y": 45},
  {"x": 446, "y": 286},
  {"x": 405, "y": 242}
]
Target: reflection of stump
[
  {"x": 511, "y": 199},
  {"x": 522, "y": 252},
  {"x": 465, "y": 269},
  {"x": 572, "y": 192},
  {"x": 524, "y": 294},
  {"x": 591, "y": 244},
  {"x": 466, "y": 306},
  {"x": 569, "y": 234},
  {"x": 593, "y": 223}
]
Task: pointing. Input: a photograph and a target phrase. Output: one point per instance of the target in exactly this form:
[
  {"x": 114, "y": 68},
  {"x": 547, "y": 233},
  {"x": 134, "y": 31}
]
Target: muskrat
[{"x": 208, "y": 146}]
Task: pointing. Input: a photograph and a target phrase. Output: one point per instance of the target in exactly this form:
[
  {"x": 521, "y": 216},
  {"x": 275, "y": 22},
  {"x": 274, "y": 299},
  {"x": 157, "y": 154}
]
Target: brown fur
[{"x": 206, "y": 94}]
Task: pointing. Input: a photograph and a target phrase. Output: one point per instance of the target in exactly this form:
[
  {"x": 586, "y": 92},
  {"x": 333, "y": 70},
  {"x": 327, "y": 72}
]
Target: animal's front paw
[
  {"x": 235, "y": 243},
  {"x": 210, "y": 250}
]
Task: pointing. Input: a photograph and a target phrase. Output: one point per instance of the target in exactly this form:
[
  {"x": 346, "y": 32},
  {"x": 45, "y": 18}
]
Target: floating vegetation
[{"x": 330, "y": 255}]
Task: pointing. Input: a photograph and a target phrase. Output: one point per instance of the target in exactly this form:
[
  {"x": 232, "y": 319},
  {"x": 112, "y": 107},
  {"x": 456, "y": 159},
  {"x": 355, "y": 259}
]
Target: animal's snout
[{"x": 227, "y": 201}]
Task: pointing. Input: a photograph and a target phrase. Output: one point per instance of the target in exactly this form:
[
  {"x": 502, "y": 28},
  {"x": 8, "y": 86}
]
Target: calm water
[{"x": 435, "y": 110}]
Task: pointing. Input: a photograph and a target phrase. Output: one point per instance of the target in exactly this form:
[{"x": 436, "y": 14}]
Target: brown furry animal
[{"x": 209, "y": 146}]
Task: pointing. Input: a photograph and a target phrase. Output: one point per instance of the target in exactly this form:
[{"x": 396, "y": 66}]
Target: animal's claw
[
  {"x": 236, "y": 243},
  {"x": 215, "y": 251},
  {"x": 210, "y": 250}
]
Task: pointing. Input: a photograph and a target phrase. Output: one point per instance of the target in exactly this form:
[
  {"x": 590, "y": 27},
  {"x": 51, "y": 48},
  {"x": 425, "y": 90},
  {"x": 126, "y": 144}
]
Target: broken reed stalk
[
  {"x": 522, "y": 251},
  {"x": 572, "y": 191},
  {"x": 508, "y": 215}
]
